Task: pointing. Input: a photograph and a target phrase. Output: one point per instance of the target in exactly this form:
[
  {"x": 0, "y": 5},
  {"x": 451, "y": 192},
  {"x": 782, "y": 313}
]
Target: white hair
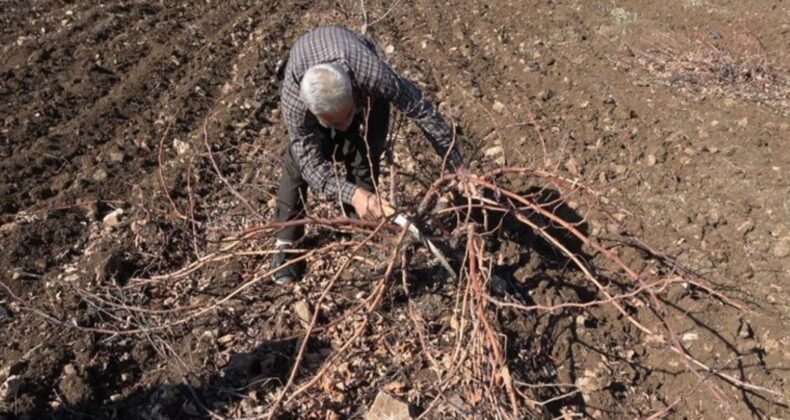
[{"x": 326, "y": 89}]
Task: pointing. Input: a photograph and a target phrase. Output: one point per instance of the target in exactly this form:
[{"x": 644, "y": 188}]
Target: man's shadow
[
  {"x": 525, "y": 251},
  {"x": 535, "y": 250},
  {"x": 524, "y": 260}
]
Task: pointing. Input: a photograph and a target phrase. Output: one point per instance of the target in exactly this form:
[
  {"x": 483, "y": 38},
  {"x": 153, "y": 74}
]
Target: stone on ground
[{"x": 386, "y": 407}]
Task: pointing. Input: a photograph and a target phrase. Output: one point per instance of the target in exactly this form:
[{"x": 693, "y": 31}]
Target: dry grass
[{"x": 733, "y": 65}]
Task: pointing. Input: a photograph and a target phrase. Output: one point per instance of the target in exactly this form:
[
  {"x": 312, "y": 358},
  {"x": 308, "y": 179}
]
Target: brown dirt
[{"x": 673, "y": 112}]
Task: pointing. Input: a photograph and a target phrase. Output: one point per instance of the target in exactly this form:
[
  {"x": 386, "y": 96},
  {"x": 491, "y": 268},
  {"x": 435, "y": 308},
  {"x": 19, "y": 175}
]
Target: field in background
[{"x": 114, "y": 116}]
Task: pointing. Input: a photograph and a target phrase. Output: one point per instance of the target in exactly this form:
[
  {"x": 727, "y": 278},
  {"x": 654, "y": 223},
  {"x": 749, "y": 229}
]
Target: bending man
[{"x": 333, "y": 85}]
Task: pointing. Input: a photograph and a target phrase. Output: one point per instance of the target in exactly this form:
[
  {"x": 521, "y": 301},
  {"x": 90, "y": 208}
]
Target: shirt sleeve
[
  {"x": 316, "y": 170},
  {"x": 408, "y": 99}
]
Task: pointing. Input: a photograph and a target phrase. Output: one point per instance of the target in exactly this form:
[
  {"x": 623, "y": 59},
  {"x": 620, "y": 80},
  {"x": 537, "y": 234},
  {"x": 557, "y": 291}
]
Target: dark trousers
[{"x": 351, "y": 149}]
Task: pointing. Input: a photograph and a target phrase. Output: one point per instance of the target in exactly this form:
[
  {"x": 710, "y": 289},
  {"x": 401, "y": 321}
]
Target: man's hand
[
  {"x": 465, "y": 182},
  {"x": 368, "y": 206}
]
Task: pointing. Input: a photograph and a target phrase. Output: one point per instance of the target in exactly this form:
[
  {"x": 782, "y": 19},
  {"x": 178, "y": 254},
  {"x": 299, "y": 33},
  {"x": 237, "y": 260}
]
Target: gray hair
[{"x": 325, "y": 89}]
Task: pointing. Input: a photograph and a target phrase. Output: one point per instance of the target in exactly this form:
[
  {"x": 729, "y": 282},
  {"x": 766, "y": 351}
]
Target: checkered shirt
[{"x": 370, "y": 78}]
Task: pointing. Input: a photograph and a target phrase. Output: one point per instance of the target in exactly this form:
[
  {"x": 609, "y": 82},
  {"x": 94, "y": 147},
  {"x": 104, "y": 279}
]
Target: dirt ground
[{"x": 677, "y": 111}]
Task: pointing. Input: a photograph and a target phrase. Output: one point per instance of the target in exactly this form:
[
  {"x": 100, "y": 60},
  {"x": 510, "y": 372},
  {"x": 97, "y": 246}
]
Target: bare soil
[{"x": 676, "y": 112}]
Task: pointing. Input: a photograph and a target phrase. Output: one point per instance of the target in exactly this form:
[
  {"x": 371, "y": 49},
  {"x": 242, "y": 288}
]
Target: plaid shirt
[{"x": 370, "y": 78}]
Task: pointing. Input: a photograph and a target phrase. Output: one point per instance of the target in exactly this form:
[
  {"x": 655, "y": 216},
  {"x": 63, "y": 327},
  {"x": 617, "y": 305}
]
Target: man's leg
[
  {"x": 291, "y": 197},
  {"x": 365, "y": 146}
]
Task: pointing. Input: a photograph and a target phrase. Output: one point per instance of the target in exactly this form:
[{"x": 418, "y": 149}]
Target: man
[{"x": 335, "y": 98}]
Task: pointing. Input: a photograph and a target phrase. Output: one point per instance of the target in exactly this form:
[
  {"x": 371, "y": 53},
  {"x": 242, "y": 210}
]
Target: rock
[
  {"x": 180, "y": 146},
  {"x": 746, "y": 227},
  {"x": 494, "y": 151},
  {"x": 390, "y": 49},
  {"x": 497, "y": 153},
  {"x": 589, "y": 382},
  {"x": 302, "y": 310},
  {"x": 781, "y": 248},
  {"x": 690, "y": 336},
  {"x": 650, "y": 160},
  {"x": 714, "y": 217},
  {"x": 69, "y": 369},
  {"x": 251, "y": 104},
  {"x": 8, "y": 227},
  {"x": 743, "y": 122},
  {"x": 116, "y": 157},
  {"x": 619, "y": 169},
  {"x": 113, "y": 218},
  {"x": 386, "y": 407},
  {"x": 572, "y": 166},
  {"x": 99, "y": 175},
  {"x": 498, "y": 106},
  {"x": 745, "y": 331}
]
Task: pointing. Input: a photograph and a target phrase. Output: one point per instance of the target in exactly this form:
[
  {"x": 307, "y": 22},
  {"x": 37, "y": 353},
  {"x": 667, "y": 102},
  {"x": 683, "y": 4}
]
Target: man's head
[{"x": 326, "y": 89}]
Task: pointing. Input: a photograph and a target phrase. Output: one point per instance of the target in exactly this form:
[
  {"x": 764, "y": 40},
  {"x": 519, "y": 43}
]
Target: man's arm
[
  {"x": 318, "y": 173},
  {"x": 316, "y": 170},
  {"x": 409, "y": 100}
]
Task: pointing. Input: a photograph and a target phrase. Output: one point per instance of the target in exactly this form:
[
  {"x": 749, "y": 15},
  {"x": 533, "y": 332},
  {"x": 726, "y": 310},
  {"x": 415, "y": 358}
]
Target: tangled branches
[
  {"x": 735, "y": 67},
  {"x": 474, "y": 362}
]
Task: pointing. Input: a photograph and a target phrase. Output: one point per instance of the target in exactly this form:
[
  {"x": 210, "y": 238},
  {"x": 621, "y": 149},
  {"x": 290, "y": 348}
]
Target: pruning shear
[{"x": 404, "y": 222}]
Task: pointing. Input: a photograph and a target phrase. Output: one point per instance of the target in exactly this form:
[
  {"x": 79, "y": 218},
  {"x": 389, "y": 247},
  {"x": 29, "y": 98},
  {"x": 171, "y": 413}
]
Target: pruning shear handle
[{"x": 404, "y": 222}]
